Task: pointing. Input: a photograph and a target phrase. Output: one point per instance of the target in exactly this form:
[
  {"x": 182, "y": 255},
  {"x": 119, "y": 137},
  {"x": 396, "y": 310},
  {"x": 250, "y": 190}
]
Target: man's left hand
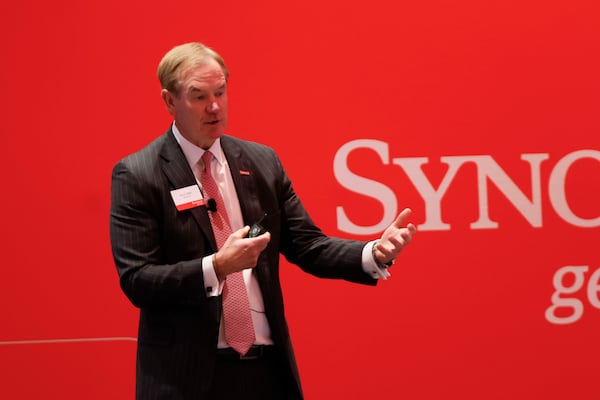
[{"x": 395, "y": 237}]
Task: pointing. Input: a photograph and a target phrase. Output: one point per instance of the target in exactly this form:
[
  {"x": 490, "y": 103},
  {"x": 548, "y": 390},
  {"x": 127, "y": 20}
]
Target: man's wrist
[
  {"x": 379, "y": 263},
  {"x": 216, "y": 268}
]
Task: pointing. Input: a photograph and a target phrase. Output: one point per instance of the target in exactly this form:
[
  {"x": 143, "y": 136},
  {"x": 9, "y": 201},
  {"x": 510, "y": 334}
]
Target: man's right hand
[{"x": 239, "y": 252}]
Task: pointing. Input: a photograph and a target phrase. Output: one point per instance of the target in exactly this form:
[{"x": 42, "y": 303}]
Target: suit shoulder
[
  {"x": 146, "y": 155},
  {"x": 248, "y": 146}
]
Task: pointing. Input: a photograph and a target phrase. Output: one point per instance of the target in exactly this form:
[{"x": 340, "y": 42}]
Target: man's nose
[{"x": 213, "y": 107}]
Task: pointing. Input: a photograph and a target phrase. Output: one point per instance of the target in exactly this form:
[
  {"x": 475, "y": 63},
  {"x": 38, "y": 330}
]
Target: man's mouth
[{"x": 213, "y": 122}]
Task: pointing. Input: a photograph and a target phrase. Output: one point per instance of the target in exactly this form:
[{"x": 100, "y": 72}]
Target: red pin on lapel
[{"x": 244, "y": 172}]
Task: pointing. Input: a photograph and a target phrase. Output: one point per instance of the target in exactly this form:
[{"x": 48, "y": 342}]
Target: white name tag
[{"x": 187, "y": 197}]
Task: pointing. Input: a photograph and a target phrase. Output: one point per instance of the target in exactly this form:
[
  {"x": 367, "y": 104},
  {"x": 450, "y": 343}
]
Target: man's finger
[
  {"x": 411, "y": 228},
  {"x": 402, "y": 218},
  {"x": 242, "y": 232}
]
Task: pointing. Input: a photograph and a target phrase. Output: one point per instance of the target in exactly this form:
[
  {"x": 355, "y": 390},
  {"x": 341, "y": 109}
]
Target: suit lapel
[
  {"x": 242, "y": 175},
  {"x": 243, "y": 172},
  {"x": 177, "y": 170}
]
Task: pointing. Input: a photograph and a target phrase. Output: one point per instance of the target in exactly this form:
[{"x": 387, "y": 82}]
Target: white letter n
[{"x": 487, "y": 168}]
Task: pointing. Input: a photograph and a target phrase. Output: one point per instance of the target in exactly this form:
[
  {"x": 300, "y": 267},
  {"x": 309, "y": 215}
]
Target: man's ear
[{"x": 169, "y": 99}]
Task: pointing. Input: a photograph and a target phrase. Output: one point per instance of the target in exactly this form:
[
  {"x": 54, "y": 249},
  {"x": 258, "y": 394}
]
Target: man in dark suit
[{"x": 163, "y": 235}]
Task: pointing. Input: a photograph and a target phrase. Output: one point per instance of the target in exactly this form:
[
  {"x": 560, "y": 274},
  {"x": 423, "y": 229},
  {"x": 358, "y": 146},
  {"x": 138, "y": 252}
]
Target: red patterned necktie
[{"x": 239, "y": 330}]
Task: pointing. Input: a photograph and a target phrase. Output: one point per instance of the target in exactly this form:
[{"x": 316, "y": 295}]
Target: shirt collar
[{"x": 193, "y": 153}]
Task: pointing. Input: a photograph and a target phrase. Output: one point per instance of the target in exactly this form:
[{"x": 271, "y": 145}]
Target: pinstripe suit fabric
[{"x": 158, "y": 254}]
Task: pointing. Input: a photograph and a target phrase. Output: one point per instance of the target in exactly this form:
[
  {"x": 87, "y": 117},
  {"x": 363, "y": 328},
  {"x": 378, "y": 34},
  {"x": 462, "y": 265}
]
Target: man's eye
[
  {"x": 219, "y": 94},
  {"x": 200, "y": 97}
]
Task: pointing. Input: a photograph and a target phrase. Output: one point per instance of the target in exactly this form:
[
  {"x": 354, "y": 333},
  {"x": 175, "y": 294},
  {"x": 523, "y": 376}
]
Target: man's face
[{"x": 200, "y": 107}]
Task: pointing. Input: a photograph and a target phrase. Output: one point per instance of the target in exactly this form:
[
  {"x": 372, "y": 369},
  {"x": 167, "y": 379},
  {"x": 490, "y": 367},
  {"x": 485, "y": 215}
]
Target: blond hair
[{"x": 181, "y": 59}]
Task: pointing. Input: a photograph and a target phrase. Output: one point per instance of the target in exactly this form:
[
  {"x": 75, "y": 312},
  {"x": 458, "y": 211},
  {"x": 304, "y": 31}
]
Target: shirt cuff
[
  {"x": 369, "y": 264},
  {"x": 212, "y": 286}
]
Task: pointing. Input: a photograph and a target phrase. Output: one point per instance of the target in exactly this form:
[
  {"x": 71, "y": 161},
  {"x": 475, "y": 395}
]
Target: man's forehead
[{"x": 204, "y": 77}]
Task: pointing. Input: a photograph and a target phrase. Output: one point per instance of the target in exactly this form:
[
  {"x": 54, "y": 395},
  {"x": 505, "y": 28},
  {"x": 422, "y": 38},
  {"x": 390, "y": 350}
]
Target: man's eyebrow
[{"x": 194, "y": 89}]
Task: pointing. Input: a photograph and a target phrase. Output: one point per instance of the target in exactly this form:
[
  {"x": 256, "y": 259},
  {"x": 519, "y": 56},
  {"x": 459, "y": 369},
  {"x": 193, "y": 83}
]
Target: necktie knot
[{"x": 206, "y": 160}]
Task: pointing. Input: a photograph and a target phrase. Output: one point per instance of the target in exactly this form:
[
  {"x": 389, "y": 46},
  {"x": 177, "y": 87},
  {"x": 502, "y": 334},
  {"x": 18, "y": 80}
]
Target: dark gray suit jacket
[{"x": 158, "y": 253}]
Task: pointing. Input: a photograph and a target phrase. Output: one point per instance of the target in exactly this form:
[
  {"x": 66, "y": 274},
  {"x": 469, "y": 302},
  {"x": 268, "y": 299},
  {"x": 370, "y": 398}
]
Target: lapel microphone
[{"x": 211, "y": 204}]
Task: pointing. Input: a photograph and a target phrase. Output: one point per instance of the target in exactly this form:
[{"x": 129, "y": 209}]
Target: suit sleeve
[{"x": 304, "y": 244}]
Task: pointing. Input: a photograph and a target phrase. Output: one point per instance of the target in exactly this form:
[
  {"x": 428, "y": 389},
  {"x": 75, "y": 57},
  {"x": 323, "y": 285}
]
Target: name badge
[{"x": 187, "y": 197}]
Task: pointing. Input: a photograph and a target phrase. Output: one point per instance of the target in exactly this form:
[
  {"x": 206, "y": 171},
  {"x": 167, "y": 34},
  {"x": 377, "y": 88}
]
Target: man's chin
[{"x": 216, "y": 133}]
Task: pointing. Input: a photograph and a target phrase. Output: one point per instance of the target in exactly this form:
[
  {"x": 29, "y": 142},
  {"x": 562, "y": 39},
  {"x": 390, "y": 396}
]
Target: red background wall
[{"x": 464, "y": 313}]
